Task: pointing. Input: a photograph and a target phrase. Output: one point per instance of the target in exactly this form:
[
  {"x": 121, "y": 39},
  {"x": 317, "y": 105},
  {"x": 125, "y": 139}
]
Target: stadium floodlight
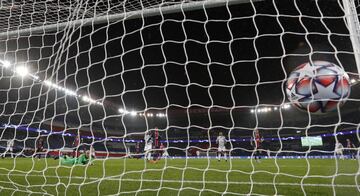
[
  {"x": 22, "y": 70},
  {"x": 352, "y": 81},
  {"x": 88, "y": 99},
  {"x": 286, "y": 106},
  {"x": 65, "y": 90},
  {"x": 133, "y": 113},
  {"x": 252, "y": 110},
  {"x": 85, "y": 98},
  {"x": 70, "y": 92},
  {"x": 47, "y": 83},
  {"x": 121, "y": 111},
  {"x": 5, "y": 63},
  {"x": 34, "y": 76}
]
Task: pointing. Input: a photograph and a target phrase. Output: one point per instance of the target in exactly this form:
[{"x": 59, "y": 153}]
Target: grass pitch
[{"x": 26, "y": 176}]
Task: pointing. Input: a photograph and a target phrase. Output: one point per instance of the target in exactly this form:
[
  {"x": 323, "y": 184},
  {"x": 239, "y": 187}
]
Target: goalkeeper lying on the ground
[{"x": 83, "y": 159}]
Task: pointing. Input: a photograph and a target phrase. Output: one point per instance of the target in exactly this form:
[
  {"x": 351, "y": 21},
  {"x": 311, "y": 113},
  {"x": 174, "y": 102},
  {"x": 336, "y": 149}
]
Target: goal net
[{"x": 171, "y": 97}]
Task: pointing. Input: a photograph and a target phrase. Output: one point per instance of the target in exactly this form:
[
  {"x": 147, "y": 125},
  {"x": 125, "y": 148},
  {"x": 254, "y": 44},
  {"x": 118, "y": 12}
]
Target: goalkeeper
[{"x": 83, "y": 159}]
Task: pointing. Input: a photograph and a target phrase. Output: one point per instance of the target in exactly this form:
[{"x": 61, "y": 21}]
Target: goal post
[
  {"x": 104, "y": 18},
  {"x": 352, "y": 18}
]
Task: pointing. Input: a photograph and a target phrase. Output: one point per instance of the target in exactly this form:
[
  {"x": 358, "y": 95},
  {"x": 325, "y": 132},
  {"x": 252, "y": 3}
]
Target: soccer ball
[{"x": 318, "y": 86}]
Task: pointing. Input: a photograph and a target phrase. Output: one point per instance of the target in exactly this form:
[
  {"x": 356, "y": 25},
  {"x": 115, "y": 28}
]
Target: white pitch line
[{"x": 188, "y": 181}]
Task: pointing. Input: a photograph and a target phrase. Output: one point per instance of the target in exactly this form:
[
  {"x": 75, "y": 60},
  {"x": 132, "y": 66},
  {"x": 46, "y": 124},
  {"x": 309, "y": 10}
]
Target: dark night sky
[{"x": 225, "y": 57}]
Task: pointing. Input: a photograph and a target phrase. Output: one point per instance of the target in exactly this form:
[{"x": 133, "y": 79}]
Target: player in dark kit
[
  {"x": 75, "y": 145},
  {"x": 350, "y": 147},
  {"x": 39, "y": 147},
  {"x": 156, "y": 144},
  {"x": 256, "y": 143},
  {"x": 137, "y": 150}
]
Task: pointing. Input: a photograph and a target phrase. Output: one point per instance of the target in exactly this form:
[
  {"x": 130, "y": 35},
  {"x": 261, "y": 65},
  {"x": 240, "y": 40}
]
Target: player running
[
  {"x": 221, "y": 141},
  {"x": 148, "y": 139},
  {"x": 137, "y": 150},
  {"x": 350, "y": 149},
  {"x": 156, "y": 145},
  {"x": 256, "y": 140},
  {"x": 339, "y": 149},
  {"x": 165, "y": 153},
  {"x": 9, "y": 148},
  {"x": 75, "y": 145},
  {"x": 39, "y": 147}
]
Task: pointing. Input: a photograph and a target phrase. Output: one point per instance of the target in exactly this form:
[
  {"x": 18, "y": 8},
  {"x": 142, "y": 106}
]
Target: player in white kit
[
  {"x": 221, "y": 141},
  {"x": 339, "y": 149},
  {"x": 9, "y": 148},
  {"x": 148, "y": 138}
]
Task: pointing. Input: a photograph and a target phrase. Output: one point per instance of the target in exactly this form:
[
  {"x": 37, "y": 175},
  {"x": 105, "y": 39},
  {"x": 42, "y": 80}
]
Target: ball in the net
[{"x": 318, "y": 86}]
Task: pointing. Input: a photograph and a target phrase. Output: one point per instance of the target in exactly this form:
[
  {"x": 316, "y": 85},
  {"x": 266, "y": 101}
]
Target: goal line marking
[{"x": 187, "y": 181}]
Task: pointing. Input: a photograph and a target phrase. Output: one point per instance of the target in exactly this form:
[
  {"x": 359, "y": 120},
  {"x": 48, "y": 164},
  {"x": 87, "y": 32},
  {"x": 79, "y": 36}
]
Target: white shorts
[
  {"x": 148, "y": 147},
  {"x": 9, "y": 149},
  {"x": 165, "y": 154},
  {"x": 221, "y": 149},
  {"x": 339, "y": 151}
]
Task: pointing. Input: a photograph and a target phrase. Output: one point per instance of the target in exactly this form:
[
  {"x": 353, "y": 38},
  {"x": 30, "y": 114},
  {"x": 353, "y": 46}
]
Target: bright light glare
[
  {"x": 47, "y": 83},
  {"x": 286, "y": 106},
  {"x": 121, "y": 110},
  {"x": 352, "y": 81},
  {"x": 133, "y": 113},
  {"x": 22, "y": 71},
  {"x": 69, "y": 92},
  {"x": 86, "y": 99},
  {"x": 5, "y": 64}
]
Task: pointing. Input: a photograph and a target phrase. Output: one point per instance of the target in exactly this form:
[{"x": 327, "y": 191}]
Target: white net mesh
[{"x": 178, "y": 97}]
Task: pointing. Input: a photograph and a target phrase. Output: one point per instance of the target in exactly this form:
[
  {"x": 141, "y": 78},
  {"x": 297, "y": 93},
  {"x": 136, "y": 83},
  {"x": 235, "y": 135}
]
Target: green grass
[{"x": 25, "y": 176}]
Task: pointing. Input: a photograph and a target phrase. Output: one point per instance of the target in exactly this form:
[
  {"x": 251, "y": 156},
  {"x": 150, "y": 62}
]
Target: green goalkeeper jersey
[{"x": 72, "y": 161}]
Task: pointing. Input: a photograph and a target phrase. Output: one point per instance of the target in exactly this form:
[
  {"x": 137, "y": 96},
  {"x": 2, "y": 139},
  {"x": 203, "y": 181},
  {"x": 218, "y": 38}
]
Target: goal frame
[
  {"x": 353, "y": 26},
  {"x": 181, "y": 7}
]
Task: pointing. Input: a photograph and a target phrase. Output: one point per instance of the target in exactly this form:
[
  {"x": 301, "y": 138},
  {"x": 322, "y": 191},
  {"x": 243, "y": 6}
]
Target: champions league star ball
[{"x": 318, "y": 87}]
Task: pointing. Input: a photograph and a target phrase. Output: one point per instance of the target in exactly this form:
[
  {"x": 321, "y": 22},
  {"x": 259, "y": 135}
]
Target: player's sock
[
  {"x": 225, "y": 156},
  {"x": 149, "y": 156}
]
